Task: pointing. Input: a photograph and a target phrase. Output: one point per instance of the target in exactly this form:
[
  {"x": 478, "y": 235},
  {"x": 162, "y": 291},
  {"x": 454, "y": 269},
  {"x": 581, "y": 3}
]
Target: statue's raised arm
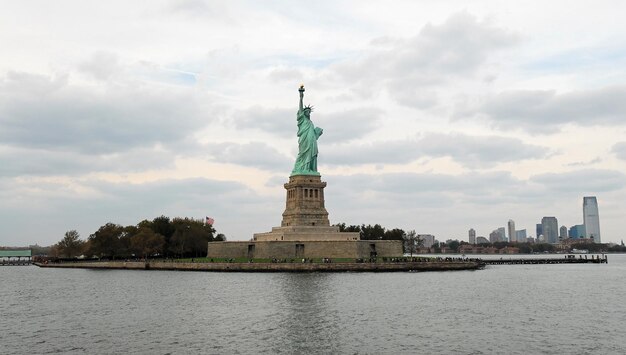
[
  {"x": 306, "y": 163},
  {"x": 301, "y": 90}
]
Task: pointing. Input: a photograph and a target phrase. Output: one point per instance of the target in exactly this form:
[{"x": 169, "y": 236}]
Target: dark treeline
[
  {"x": 373, "y": 232},
  {"x": 378, "y": 232},
  {"x": 161, "y": 237}
]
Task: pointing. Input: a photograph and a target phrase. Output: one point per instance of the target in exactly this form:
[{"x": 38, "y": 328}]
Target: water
[{"x": 505, "y": 309}]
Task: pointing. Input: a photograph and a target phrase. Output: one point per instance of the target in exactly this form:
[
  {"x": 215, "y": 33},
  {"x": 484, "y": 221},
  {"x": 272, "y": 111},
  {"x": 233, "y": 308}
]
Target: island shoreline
[{"x": 273, "y": 267}]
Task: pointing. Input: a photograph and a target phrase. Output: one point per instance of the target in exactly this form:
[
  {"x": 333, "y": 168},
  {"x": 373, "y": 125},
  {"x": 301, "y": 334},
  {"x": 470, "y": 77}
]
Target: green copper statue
[{"x": 306, "y": 163}]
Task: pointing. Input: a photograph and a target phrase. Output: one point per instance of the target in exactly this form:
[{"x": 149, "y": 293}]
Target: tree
[
  {"x": 191, "y": 237},
  {"x": 411, "y": 242},
  {"x": 350, "y": 228},
  {"x": 71, "y": 246},
  {"x": 179, "y": 243},
  {"x": 342, "y": 226},
  {"x": 105, "y": 242},
  {"x": 147, "y": 243},
  {"x": 164, "y": 226},
  {"x": 454, "y": 245},
  {"x": 394, "y": 234},
  {"x": 125, "y": 240},
  {"x": 375, "y": 232}
]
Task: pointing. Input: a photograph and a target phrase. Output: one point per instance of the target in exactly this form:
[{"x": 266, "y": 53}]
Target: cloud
[
  {"x": 470, "y": 151},
  {"x": 277, "y": 121},
  {"x": 22, "y": 162},
  {"x": 102, "y": 65},
  {"x": 286, "y": 74},
  {"x": 475, "y": 151},
  {"x": 339, "y": 126},
  {"x": 254, "y": 154},
  {"x": 619, "y": 149},
  {"x": 586, "y": 163},
  {"x": 348, "y": 125},
  {"x": 416, "y": 199},
  {"x": 544, "y": 111},
  {"x": 200, "y": 9},
  {"x": 429, "y": 201},
  {"x": 418, "y": 183},
  {"x": 408, "y": 69},
  {"x": 586, "y": 181},
  {"x": 86, "y": 205},
  {"x": 49, "y": 113}
]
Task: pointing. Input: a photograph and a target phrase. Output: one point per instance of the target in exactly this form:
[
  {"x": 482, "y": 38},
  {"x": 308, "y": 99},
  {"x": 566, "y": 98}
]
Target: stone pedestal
[
  {"x": 305, "y": 218},
  {"x": 305, "y": 202}
]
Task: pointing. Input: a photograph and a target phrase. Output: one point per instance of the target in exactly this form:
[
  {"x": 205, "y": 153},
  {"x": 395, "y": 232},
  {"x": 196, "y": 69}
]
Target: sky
[{"x": 438, "y": 116}]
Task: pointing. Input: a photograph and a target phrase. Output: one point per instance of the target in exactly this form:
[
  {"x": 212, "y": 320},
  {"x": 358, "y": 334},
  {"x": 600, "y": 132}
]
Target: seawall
[{"x": 274, "y": 267}]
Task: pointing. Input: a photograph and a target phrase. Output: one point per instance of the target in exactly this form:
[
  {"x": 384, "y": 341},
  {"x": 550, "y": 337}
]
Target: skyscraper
[
  {"x": 577, "y": 231},
  {"x": 502, "y": 233},
  {"x": 563, "y": 233},
  {"x": 591, "y": 218},
  {"x": 539, "y": 230},
  {"x": 512, "y": 235},
  {"x": 550, "y": 228},
  {"x": 494, "y": 236},
  {"x": 472, "y": 236},
  {"x": 521, "y": 236},
  {"x": 427, "y": 240}
]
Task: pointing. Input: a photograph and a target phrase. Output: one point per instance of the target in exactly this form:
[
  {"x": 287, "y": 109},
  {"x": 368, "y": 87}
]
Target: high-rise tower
[
  {"x": 539, "y": 230},
  {"x": 512, "y": 235},
  {"x": 591, "y": 218},
  {"x": 472, "y": 236},
  {"x": 563, "y": 233},
  {"x": 550, "y": 228}
]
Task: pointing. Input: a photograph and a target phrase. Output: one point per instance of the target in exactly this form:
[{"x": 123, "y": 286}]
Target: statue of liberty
[{"x": 306, "y": 163}]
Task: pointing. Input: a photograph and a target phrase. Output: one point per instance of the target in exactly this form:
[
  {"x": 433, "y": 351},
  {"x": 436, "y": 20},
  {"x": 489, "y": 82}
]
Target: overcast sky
[{"x": 438, "y": 116}]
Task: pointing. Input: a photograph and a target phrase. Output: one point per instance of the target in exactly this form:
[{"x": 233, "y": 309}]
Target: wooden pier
[{"x": 567, "y": 259}]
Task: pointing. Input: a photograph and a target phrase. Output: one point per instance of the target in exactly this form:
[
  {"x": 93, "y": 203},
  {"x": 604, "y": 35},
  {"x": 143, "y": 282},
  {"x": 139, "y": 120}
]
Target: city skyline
[
  {"x": 555, "y": 233},
  {"x": 437, "y": 117}
]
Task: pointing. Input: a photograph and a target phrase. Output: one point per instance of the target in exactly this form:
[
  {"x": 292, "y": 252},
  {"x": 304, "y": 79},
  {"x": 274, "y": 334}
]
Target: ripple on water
[{"x": 538, "y": 309}]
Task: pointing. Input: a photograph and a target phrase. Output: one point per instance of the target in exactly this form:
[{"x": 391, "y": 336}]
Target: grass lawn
[{"x": 259, "y": 260}]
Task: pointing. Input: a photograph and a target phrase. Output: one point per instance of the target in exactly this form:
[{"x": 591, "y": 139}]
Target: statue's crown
[{"x": 308, "y": 107}]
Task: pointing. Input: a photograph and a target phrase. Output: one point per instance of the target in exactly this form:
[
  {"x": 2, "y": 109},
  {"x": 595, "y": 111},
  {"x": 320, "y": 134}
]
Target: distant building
[
  {"x": 502, "y": 232},
  {"x": 481, "y": 240},
  {"x": 512, "y": 235},
  {"x": 472, "y": 236},
  {"x": 497, "y": 235},
  {"x": 577, "y": 231},
  {"x": 474, "y": 249},
  {"x": 591, "y": 218},
  {"x": 520, "y": 235},
  {"x": 427, "y": 240},
  {"x": 539, "y": 230},
  {"x": 563, "y": 233},
  {"x": 550, "y": 228}
]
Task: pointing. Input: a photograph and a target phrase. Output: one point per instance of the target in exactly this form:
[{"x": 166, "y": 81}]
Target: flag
[{"x": 209, "y": 221}]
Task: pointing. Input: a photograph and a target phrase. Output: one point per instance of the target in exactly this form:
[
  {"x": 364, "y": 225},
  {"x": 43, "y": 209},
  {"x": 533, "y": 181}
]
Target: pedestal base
[
  {"x": 352, "y": 249},
  {"x": 306, "y": 233}
]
